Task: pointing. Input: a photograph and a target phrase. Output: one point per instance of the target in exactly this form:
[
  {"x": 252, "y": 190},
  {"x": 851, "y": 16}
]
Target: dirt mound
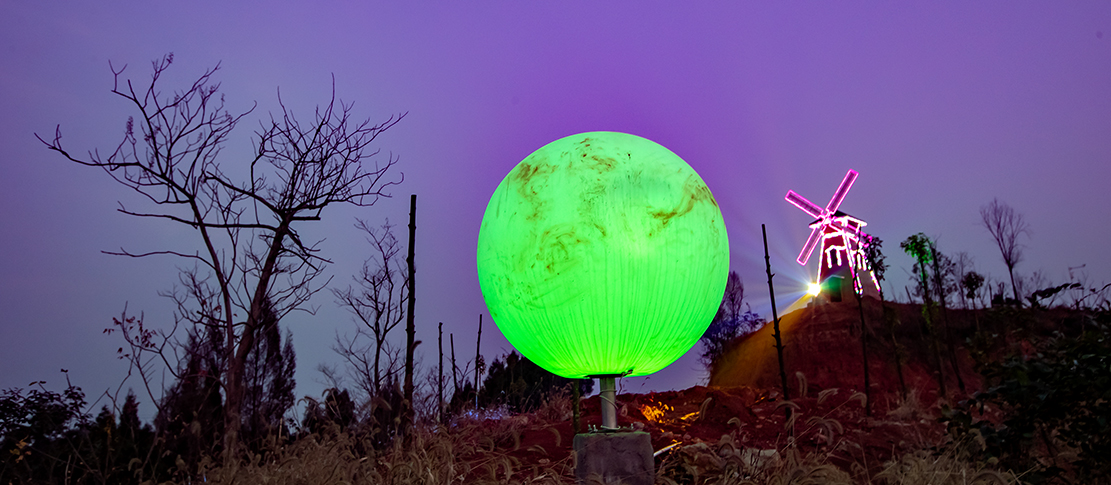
[{"x": 823, "y": 343}]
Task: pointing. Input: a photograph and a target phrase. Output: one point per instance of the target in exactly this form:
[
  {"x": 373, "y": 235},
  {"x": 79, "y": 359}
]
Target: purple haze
[{"x": 940, "y": 106}]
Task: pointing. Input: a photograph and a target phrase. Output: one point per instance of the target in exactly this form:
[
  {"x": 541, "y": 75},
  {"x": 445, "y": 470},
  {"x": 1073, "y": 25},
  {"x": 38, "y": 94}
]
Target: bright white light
[{"x": 813, "y": 289}]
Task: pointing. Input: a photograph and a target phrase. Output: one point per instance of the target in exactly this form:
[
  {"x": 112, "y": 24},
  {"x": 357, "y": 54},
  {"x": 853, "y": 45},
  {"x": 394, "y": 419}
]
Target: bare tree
[
  {"x": 359, "y": 353},
  {"x": 1006, "y": 225},
  {"x": 734, "y": 318},
  {"x": 248, "y": 230},
  {"x": 378, "y": 303},
  {"x": 962, "y": 265}
]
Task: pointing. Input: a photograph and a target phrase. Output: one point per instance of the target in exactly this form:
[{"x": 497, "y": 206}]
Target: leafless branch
[
  {"x": 380, "y": 300},
  {"x": 1005, "y": 226},
  {"x": 252, "y": 252}
]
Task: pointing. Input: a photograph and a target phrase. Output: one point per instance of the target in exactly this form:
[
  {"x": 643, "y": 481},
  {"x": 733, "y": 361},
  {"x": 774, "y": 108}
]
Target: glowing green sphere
[{"x": 602, "y": 254}]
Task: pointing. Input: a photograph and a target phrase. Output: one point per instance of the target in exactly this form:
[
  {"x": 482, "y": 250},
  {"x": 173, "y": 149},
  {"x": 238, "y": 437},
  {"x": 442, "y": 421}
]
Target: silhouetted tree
[
  {"x": 122, "y": 451},
  {"x": 191, "y": 416},
  {"x": 919, "y": 246},
  {"x": 379, "y": 305},
  {"x": 521, "y": 385},
  {"x": 1005, "y": 226},
  {"x": 734, "y": 318},
  {"x": 387, "y": 412},
  {"x": 268, "y": 383},
  {"x": 409, "y": 411},
  {"x": 962, "y": 265},
  {"x": 247, "y": 229},
  {"x": 971, "y": 283},
  {"x": 35, "y": 433},
  {"x": 337, "y": 409},
  {"x": 942, "y": 276},
  {"x": 190, "y": 419}
]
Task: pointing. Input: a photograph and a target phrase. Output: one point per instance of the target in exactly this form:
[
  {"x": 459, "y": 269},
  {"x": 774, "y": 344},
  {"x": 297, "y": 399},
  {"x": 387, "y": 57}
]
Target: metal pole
[{"x": 608, "y": 399}]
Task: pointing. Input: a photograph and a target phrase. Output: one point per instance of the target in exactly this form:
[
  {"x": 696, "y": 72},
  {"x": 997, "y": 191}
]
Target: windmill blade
[
  {"x": 842, "y": 190},
  {"x": 811, "y": 243},
  {"x": 806, "y": 206}
]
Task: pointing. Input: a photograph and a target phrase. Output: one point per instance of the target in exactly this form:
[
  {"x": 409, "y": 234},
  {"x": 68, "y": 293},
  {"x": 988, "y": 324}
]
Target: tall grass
[
  {"x": 811, "y": 444},
  {"x": 478, "y": 449},
  {"x": 473, "y": 448}
]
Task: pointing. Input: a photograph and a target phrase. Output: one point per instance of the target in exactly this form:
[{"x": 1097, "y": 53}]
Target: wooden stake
[
  {"x": 454, "y": 368},
  {"x": 477, "y": 358},
  {"x": 775, "y": 320},
  {"x": 410, "y": 328},
  {"x": 440, "y": 380}
]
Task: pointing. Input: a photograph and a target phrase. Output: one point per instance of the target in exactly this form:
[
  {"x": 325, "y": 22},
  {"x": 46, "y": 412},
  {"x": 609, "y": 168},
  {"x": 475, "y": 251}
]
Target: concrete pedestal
[{"x": 615, "y": 458}]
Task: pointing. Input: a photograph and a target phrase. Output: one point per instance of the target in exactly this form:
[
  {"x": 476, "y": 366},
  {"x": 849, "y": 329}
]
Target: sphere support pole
[{"x": 608, "y": 400}]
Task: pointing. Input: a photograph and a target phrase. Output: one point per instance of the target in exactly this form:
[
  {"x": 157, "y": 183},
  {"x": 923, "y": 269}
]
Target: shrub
[{"x": 1050, "y": 410}]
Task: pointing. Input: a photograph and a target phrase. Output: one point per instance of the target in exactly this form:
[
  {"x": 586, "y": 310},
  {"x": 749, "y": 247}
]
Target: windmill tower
[{"x": 842, "y": 240}]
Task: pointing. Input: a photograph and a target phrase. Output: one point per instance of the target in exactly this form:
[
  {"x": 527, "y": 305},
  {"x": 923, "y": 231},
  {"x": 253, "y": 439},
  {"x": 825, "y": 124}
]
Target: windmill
[{"x": 842, "y": 242}]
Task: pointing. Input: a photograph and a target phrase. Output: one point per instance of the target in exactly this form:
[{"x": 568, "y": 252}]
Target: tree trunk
[
  {"x": 440, "y": 380},
  {"x": 378, "y": 344},
  {"x": 233, "y": 401},
  {"x": 454, "y": 368},
  {"x": 928, "y": 327},
  {"x": 410, "y": 327},
  {"x": 1014, "y": 288}
]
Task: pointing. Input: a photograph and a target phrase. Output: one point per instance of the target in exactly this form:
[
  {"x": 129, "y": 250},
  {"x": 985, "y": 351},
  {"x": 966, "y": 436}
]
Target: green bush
[{"x": 1048, "y": 410}]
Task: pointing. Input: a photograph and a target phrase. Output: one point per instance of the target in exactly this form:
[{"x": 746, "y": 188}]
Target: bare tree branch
[
  {"x": 378, "y": 303},
  {"x": 1005, "y": 226},
  {"x": 254, "y": 260}
]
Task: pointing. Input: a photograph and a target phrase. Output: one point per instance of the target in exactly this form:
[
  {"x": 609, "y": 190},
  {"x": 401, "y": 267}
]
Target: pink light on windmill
[{"x": 841, "y": 237}]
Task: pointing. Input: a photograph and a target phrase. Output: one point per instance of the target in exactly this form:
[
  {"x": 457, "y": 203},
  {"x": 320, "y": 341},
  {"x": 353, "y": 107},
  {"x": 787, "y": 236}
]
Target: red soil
[{"x": 823, "y": 344}]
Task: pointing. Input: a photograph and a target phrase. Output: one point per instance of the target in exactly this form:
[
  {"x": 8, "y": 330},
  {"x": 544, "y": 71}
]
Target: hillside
[
  {"x": 823, "y": 343},
  {"x": 822, "y": 353}
]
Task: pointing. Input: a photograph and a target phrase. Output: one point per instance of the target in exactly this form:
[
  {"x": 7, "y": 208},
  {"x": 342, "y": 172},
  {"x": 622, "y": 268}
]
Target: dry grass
[
  {"x": 435, "y": 456},
  {"x": 477, "y": 449},
  {"x": 922, "y": 468},
  {"x": 472, "y": 449},
  {"x": 443, "y": 456},
  {"x": 726, "y": 463}
]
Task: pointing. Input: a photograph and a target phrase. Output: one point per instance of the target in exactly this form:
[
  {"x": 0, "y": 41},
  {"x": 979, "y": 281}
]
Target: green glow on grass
[{"x": 602, "y": 253}]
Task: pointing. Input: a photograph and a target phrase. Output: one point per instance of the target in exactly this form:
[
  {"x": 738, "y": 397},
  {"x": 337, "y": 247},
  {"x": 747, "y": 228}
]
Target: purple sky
[{"x": 939, "y": 106}]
